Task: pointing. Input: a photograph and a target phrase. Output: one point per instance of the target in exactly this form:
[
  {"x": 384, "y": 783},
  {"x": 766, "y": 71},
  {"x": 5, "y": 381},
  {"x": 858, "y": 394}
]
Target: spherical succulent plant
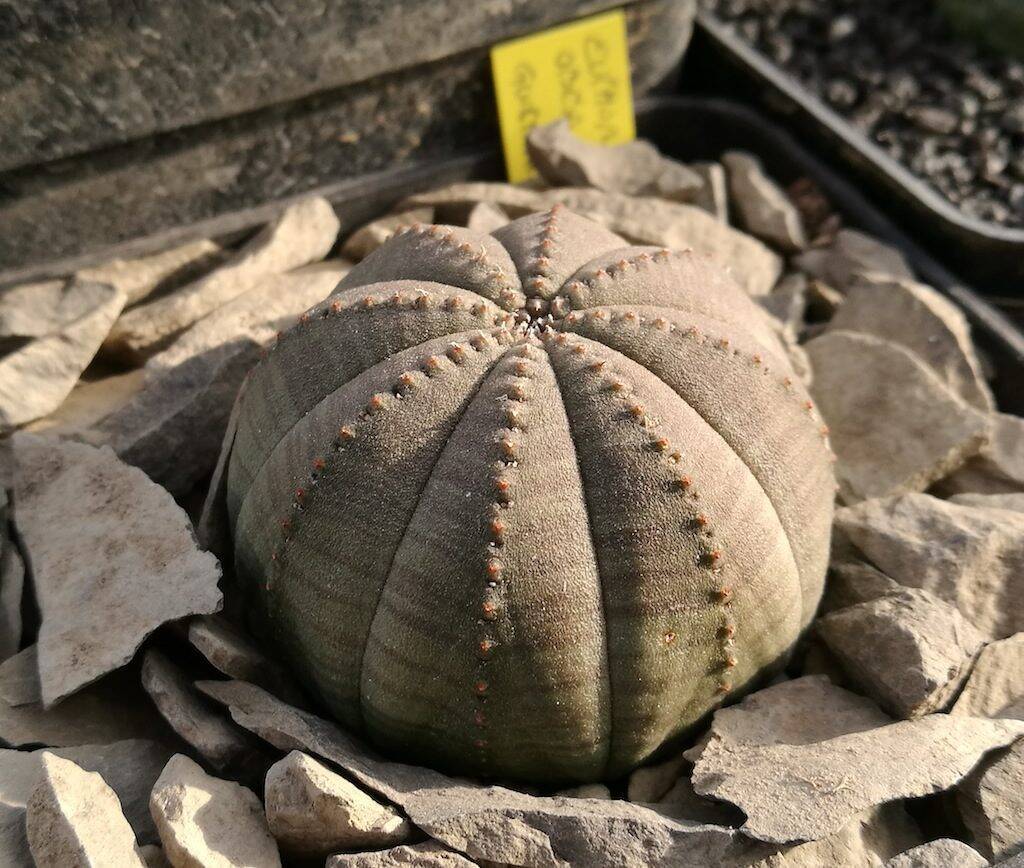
[{"x": 530, "y": 504}]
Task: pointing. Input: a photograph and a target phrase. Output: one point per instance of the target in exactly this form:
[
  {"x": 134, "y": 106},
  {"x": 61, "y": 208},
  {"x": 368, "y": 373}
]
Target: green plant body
[{"x": 530, "y": 505}]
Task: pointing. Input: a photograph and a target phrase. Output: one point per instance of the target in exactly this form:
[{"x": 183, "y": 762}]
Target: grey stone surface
[
  {"x": 918, "y": 318},
  {"x": 74, "y": 820},
  {"x": 36, "y": 377},
  {"x": 113, "y": 558},
  {"x": 429, "y": 854},
  {"x": 636, "y": 168},
  {"x": 206, "y": 822},
  {"x": 805, "y": 788},
  {"x": 999, "y": 467},
  {"x": 303, "y": 233},
  {"x": 485, "y": 218},
  {"x": 163, "y": 271},
  {"x": 650, "y": 783},
  {"x": 996, "y": 685},
  {"x": 853, "y": 253},
  {"x": 760, "y": 205},
  {"x": 129, "y": 768},
  {"x": 19, "y": 678},
  {"x": 644, "y": 220},
  {"x": 713, "y": 195},
  {"x": 113, "y": 709},
  {"x": 943, "y": 853},
  {"x": 991, "y": 803},
  {"x": 314, "y": 812},
  {"x": 12, "y": 582},
  {"x": 893, "y": 424},
  {"x": 910, "y": 650},
  {"x": 867, "y": 840},
  {"x": 491, "y": 823},
  {"x": 233, "y": 653},
  {"x": 1013, "y": 501},
  {"x": 38, "y": 309},
  {"x": 200, "y": 724},
  {"x": 851, "y": 583},
  {"x": 89, "y": 402},
  {"x": 368, "y": 238},
  {"x": 107, "y": 76},
  {"x": 969, "y": 556},
  {"x": 239, "y": 162},
  {"x": 172, "y": 428}
]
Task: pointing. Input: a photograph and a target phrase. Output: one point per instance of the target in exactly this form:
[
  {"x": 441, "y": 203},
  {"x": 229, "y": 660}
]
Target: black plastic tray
[{"x": 989, "y": 256}]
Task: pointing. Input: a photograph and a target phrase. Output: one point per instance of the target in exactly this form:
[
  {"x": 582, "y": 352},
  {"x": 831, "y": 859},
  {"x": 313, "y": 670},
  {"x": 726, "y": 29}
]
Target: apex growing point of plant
[{"x": 530, "y": 504}]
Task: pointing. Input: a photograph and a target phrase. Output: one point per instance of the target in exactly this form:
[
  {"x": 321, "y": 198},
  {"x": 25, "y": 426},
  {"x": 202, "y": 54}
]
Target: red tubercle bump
[
  {"x": 497, "y": 529},
  {"x": 486, "y": 646},
  {"x": 494, "y": 568},
  {"x": 319, "y": 464},
  {"x": 727, "y": 631},
  {"x": 684, "y": 482},
  {"x": 659, "y": 444},
  {"x": 490, "y": 610},
  {"x": 669, "y": 637},
  {"x": 336, "y": 307},
  {"x": 347, "y": 433},
  {"x": 480, "y": 687},
  {"x": 723, "y": 595}
]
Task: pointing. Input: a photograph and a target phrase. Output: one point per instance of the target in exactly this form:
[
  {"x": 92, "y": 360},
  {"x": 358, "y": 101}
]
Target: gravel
[{"x": 951, "y": 113}]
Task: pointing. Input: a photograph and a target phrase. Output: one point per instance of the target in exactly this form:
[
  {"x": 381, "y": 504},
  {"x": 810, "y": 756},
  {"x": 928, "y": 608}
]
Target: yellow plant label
[{"x": 579, "y": 71}]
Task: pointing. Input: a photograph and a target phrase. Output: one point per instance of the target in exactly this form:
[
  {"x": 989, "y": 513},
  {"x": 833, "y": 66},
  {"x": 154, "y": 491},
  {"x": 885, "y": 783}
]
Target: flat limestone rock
[
  {"x": 943, "y": 853},
  {"x": 74, "y": 820},
  {"x": 713, "y": 196},
  {"x": 139, "y": 278},
  {"x": 969, "y": 556},
  {"x": 234, "y": 654},
  {"x": 996, "y": 684},
  {"x": 113, "y": 709},
  {"x": 199, "y": 723},
  {"x": 36, "y": 310},
  {"x": 787, "y": 303},
  {"x": 173, "y": 427},
  {"x": 313, "y": 811},
  {"x": 762, "y": 208},
  {"x": 893, "y": 424},
  {"x": 113, "y": 558},
  {"x": 646, "y": 220},
  {"x": 12, "y": 583},
  {"x": 89, "y": 403},
  {"x": 206, "y": 822},
  {"x": 129, "y": 768},
  {"x": 910, "y": 651},
  {"x": 304, "y": 233},
  {"x": 870, "y": 838},
  {"x": 19, "y": 678},
  {"x": 999, "y": 467},
  {"x": 921, "y": 320},
  {"x": 368, "y": 238},
  {"x": 491, "y": 823},
  {"x": 638, "y": 219},
  {"x": 798, "y": 712},
  {"x": 803, "y": 792},
  {"x": 682, "y": 801},
  {"x": 851, "y": 583},
  {"x": 37, "y": 377},
  {"x": 850, "y": 254},
  {"x": 485, "y": 218},
  {"x": 636, "y": 168},
  {"x": 651, "y": 783},
  {"x": 991, "y": 804},
  {"x": 429, "y": 854},
  {"x": 1013, "y": 501}
]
